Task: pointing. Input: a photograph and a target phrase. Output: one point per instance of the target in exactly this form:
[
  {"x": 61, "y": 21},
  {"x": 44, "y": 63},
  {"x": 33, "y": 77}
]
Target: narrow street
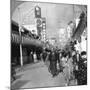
[
  {"x": 37, "y": 75},
  {"x": 54, "y": 32}
]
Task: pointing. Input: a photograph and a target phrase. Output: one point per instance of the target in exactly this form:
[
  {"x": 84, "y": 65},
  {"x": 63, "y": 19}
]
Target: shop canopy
[
  {"x": 81, "y": 26},
  {"x": 26, "y": 40}
]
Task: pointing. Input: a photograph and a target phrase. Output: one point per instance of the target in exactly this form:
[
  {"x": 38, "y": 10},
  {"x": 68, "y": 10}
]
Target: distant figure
[
  {"x": 35, "y": 57},
  {"x": 60, "y": 62},
  {"x": 57, "y": 60},
  {"x": 38, "y": 56},
  {"x": 44, "y": 55},
  {"x": 31, "y": 57}
]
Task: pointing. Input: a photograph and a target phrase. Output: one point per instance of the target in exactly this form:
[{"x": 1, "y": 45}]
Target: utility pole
[{"x": 19, "y": 18}]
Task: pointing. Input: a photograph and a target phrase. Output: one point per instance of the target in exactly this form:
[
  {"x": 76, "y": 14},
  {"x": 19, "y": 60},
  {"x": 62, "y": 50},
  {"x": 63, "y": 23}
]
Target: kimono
[{"x": 53, "y": 63}]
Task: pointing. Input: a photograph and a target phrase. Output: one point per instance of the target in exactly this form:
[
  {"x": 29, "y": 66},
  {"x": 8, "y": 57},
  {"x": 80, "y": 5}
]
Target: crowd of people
[{"x": 69, "y": 62}]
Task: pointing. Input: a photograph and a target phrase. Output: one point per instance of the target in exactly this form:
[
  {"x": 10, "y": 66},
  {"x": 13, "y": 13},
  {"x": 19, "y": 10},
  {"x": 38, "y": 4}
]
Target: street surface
[{"x": 37, "y": 75}]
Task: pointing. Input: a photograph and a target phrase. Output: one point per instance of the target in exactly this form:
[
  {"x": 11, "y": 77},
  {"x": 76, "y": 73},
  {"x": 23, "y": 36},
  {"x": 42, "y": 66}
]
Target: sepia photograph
[{"x": 48, "y": 44}]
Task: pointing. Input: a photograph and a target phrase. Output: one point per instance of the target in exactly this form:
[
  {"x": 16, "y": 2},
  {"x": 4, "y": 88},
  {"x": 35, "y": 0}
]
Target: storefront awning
[{"x": 81, "y": 26}]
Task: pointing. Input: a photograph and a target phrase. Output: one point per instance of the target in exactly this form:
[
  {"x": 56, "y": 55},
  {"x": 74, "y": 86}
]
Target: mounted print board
[{"x": 48, "y": 44}]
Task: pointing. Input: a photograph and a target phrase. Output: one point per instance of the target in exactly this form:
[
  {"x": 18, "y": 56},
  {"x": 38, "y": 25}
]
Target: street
[{"x": 37, "y": 75}]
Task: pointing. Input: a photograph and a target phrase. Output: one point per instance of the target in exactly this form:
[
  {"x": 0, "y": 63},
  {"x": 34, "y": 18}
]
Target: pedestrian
[
  {"x": 31, "y": 57},
  {"x": 82, "y": 70},
  {"x": 44, "y": 55},
  {"x": 47, "y": 61},
  {"x": 35, "y": 57},
  {"x": 53, "y": 64},
  {"x": 66, "y": 70},
  {"x": 60, "y": 62},
  {"x": 57, "y": 60},
  {"x": 13, "y": 72},
  {"x": 70, "y": 67}
]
